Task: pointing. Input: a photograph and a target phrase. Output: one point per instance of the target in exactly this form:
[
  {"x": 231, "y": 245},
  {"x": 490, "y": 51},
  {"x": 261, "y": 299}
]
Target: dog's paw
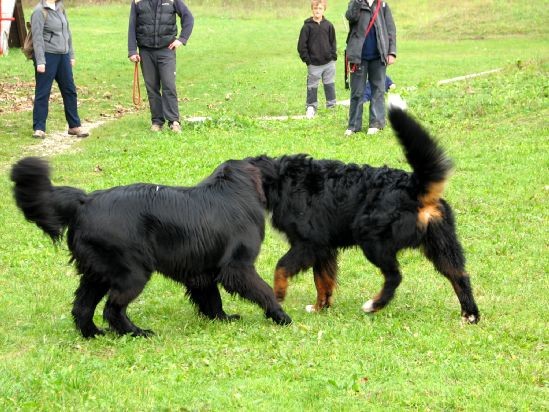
[
  {"x": 279, "y": 317},
  {"x": 470, "y": 318},
  {"x": 368, "y": 307},
  {"x": 310, "y": 309},
  {"x": 230, "y": 318},
  {"x": 397, "y": 102},
  {"x": 138, "y": 332}
]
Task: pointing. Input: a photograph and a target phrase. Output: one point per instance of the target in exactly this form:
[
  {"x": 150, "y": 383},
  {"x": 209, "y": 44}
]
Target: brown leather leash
[{"x": 136, "y": 88}]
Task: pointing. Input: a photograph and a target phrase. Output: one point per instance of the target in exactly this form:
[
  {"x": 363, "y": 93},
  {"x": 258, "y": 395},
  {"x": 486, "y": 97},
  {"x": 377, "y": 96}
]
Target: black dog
[
  {"x": 324, "y": 205},
  {"x": 198, "y": 236}
]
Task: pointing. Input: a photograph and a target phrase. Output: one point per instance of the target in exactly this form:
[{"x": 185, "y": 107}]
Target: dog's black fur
[
  {"x": 325, "y": 205},
  {"x": 198, "y": 236}
]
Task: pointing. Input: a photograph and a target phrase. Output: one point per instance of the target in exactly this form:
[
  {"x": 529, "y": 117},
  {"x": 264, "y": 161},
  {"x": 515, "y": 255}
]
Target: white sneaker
[
  {"x": 310, "y": 113},
  {"x": 372, "y": 130},
  {"x": 349, "y": 132}
]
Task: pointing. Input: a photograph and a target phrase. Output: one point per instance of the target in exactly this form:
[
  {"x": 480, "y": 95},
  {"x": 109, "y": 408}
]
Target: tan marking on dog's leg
[
  {"x": 325, "y": 286},
  {"x": 280, "y": 283}
]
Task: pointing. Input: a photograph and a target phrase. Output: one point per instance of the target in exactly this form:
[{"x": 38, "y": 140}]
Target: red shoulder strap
[{"x": 373, "y": 19}]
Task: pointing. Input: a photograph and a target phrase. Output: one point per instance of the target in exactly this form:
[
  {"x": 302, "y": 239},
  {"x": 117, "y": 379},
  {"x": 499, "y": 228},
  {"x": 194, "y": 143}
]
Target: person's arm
[
  {"x": 353, "y": 11},
  {"x": 333, "y": 42},
  {"x": 187, "y": 21},
  {"x": 391, "y": 31},
  {"x": 71, "y": 49},
  {"x": 132, "y": 40},
  {"x": 302, "y": 47},
  {"x": 37, "y": 27}
]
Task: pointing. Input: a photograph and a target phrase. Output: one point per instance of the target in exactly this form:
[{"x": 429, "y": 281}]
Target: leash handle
[{"x": 136, "y": 95}]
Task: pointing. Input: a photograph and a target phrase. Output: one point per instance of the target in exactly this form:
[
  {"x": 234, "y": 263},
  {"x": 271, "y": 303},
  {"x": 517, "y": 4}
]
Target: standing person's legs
[
  {"x": 313, "y": 79},
  {"x": 376, "y": 75},
  {"x": 358, "y": 82},
  {"x": 149, "y": 67},
  {"x": 166, "y": 60},
  {"x": 42, "y": 91},
  {"x": 328, "y": 79},
  {"x": 65, "y": 81}
]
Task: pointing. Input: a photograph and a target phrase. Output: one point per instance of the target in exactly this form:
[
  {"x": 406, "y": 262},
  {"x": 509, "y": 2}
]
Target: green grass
[{"x": 241, "y": 63}]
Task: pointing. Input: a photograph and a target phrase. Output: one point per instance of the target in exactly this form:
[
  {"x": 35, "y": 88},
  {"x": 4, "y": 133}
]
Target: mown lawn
[{"x": 241, "y": 64}]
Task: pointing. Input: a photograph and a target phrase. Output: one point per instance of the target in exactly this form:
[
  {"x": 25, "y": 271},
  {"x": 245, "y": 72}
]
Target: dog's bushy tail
[
  {"x": 431, "y": 167},
  {"x": 50, "y": 207}
]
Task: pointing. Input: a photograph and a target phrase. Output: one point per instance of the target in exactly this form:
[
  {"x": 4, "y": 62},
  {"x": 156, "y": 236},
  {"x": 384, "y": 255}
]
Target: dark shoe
[
  {"x": 39, "y": 134},
  {"x": 78, "y": 132}
]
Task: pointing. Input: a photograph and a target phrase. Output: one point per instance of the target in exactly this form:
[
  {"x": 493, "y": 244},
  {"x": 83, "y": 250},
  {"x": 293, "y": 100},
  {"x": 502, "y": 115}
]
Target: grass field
[{"x": 241, "y": 64}]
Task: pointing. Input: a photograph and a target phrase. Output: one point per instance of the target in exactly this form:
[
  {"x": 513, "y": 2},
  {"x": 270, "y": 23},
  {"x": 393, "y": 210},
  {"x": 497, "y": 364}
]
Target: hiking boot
[
  {"x": 78, "y": 132},
  {"x": 175, "y": 127},
  {"x": 310, "y": 113},
  {"x": 156, "y": 128},
  {"x": 39, "y": 134}
]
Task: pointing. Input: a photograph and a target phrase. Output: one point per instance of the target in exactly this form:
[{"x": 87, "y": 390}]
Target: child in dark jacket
[{"x": 317, "y": 49}]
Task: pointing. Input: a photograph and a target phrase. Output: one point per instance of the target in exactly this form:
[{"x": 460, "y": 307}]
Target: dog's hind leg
[
  {"x": 120, "y": 296},
  {"x": 87, "y": 296},
  {"x": 208, "y": 301},
  {"x": 386, "y": 261},
  {"x": 241, "y": 278},
  {"x": 442, "y": 247},
  {"x": 297, "y": 259},
  {"x": 325, "y": 275}
]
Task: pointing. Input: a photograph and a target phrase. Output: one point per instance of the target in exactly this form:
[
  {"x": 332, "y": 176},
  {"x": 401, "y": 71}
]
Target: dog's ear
[{"x": 255, "y": 176}]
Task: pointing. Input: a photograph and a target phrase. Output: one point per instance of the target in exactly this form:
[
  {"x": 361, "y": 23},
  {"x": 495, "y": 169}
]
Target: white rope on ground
[{"x": 468, "y": 76}]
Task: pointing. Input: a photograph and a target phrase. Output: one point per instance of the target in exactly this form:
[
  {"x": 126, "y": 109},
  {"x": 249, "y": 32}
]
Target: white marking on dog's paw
[
  {"x": 310, "y": 308},
  {"x": 368, "y": 307},
  {"x": 470, "y": 318},
  {"x": 397, "y": 102}
]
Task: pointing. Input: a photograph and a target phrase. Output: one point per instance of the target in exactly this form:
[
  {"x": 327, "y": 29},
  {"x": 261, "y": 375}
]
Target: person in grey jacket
[
  {"x": 53, "y": 60},
  {"x": 368, "y": 56},
  {"x": 153, "y": 29}
]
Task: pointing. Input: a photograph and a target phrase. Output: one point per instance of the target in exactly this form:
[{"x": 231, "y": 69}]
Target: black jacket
[
  {"x": 156, "y": 27},
  {"x": 317, "y": 42}
]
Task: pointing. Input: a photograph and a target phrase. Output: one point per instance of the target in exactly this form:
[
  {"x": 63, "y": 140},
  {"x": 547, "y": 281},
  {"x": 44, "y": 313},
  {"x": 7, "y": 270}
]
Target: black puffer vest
[{"x": 155, "y": 31}]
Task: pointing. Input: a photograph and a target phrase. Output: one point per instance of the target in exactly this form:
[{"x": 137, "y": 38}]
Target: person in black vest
[{"x": 153, "y": 29}]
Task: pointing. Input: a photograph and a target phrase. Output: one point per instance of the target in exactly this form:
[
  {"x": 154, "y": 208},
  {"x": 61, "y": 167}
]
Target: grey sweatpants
[
  {"x": 326, "y": 72},
  {"x": 158, "y": 67}
]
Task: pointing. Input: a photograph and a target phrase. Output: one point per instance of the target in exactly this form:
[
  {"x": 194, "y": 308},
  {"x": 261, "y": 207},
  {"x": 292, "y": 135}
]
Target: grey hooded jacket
[
  {"x": 358, "y": 14},
  {"x": 50, "y": 31}
]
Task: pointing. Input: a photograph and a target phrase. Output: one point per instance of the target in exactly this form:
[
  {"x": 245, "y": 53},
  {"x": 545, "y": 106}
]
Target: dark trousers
[
  {"x": 58, "y": 68},
  {"x": 373, "y": 71},
  {"x": 158, "y": 67}
]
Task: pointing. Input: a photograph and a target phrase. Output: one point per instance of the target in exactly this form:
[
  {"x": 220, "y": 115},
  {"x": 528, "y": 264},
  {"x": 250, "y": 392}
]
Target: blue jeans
[
  {"x": 58, "y": 68},
  {"x": 374, "y": 72}
]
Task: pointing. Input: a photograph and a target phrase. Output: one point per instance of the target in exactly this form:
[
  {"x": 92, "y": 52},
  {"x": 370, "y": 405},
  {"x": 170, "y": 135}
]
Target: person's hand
[
  {"x": 135, "y": 58},
  {"x": 175, "y": 44},
  {"x": 73, "y": 62},
  {"x": 41, "y": 68},
  {"x": 390, "y": 59}
]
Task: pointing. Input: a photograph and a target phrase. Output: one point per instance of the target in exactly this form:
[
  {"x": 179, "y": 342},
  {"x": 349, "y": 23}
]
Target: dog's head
[{"x": 241, "y": 173}]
